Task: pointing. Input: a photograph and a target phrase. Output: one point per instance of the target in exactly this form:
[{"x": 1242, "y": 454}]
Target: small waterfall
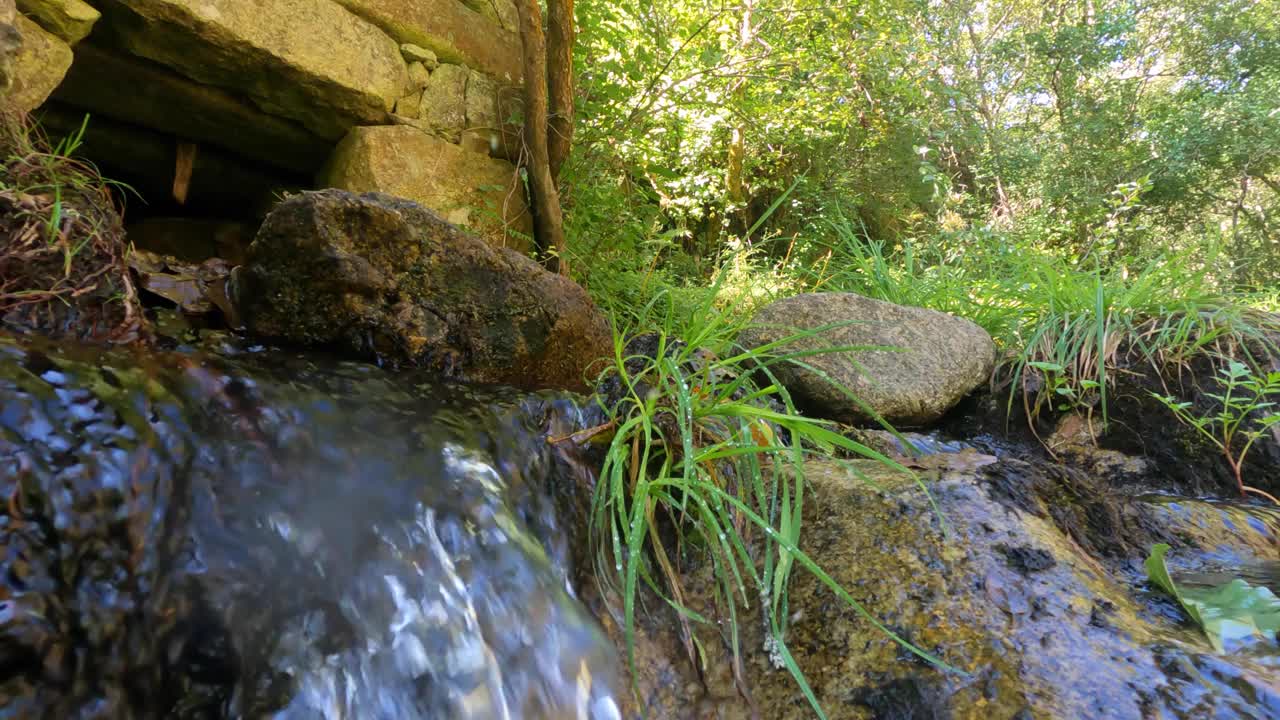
[{"x": 261, "y": 534}]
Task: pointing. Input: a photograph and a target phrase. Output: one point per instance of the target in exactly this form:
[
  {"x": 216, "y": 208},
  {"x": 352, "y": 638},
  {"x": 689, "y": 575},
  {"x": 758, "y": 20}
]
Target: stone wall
[{"x": 263, "y": 96}]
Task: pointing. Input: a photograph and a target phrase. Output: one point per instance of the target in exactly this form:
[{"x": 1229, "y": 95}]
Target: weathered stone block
[
  {"x": 481, "y": 130},
  {"x": 419, "y": 76},
  {"x": 70, "y": 20},
  {"x": 444, "y": 101},
  {"x": 407, "y": 107},
  {"x": 309, "y": 60},
  {"x": 455, "y": 32},
  {"x": 40, "y": 64},
  {"x": 466, "y": 188},
  {"x": 142, "y": 93},
  {"x": 412, "y": 53}
]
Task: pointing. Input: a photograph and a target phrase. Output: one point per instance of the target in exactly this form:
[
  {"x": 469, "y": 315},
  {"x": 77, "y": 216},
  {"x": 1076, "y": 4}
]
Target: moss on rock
[{"x": 382, "y": 276}]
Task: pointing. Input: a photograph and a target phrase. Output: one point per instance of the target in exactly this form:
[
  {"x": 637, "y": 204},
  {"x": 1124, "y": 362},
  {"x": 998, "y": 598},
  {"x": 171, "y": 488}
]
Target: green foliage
[
  {"x": 1244, "y": 414},
  {"x": 1227, "y": 613},
  {"x": 1114, "y": 132},
  {"x": 702, "y": 454}
]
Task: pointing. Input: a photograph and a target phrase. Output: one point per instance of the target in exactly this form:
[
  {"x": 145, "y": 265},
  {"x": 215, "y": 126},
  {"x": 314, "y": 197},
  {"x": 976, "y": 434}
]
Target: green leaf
[{"x": 1227, "y": 613}]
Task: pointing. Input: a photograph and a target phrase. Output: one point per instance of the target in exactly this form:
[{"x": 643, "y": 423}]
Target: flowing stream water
[
  {"x": 219, "y": 530},
  {"x": 253, "y": 533}
]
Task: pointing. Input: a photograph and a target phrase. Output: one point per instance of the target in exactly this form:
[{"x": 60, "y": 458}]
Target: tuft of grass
[
  {"x": 63, "y": 254},
  {"x": 1085, "y": 327},
  {"x": 703, "y": 458}
]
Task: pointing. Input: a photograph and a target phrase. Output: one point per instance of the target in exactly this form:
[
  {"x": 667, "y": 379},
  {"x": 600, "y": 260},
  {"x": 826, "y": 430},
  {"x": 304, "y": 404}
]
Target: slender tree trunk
[
  {"x": 547, "y": 219},
  {"x": 737, "y": 142},
  {"x": 560, "y": 35},
  {"x": 734, "y": 182}
]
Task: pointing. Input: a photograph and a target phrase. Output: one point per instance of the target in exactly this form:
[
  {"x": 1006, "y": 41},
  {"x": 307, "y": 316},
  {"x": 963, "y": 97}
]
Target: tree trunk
[
  {"x": 734, "y": 182},
  {"x": 560, "y": 34},
  {"x": 547, "y": 220}
]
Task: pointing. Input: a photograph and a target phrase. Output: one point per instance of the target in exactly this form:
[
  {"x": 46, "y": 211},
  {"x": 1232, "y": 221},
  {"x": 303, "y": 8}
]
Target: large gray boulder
[
  {"x": 918, "y": 363},
  {"x": 381, "y": 276}
]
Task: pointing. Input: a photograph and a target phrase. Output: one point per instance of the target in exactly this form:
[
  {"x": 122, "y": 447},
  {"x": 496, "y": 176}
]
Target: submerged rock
[
  {"x": 931, "y": 360},
  {"x": 381, "y": 276}
]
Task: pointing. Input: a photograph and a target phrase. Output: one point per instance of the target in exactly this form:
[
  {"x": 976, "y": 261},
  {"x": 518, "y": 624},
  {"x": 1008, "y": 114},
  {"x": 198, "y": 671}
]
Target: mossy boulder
[
  {"x": 39, "y": 64},
  {"x": 70, "y": 20},
  {"x": 382, "y": 276},
  {"x": 444, "y": 101},
  {"x": 307, "y": 60},
  {"x": 916, "y": 365}
]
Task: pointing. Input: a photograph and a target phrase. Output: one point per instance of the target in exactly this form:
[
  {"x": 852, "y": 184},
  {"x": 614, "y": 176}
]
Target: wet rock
[
  {"x": 1075, "y": 440},
  {"x": 386, "y": 277},
  {"x": 466, "y": 188},
  {"x": 937, "y": 358},
  {"x": 38, "y": 66},
  {"x": 307, "y": 60},
  {"x": 260, "y": 535},
  {"x": 1039, "y": 613},
  {"x": 70, "y": 20}
]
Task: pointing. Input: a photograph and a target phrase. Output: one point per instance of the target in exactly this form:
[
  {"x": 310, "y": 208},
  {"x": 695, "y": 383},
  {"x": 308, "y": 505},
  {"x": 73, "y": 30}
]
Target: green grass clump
[
  {"x": 704, "y": 459},
  {"x": 63, "y": 266}
]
